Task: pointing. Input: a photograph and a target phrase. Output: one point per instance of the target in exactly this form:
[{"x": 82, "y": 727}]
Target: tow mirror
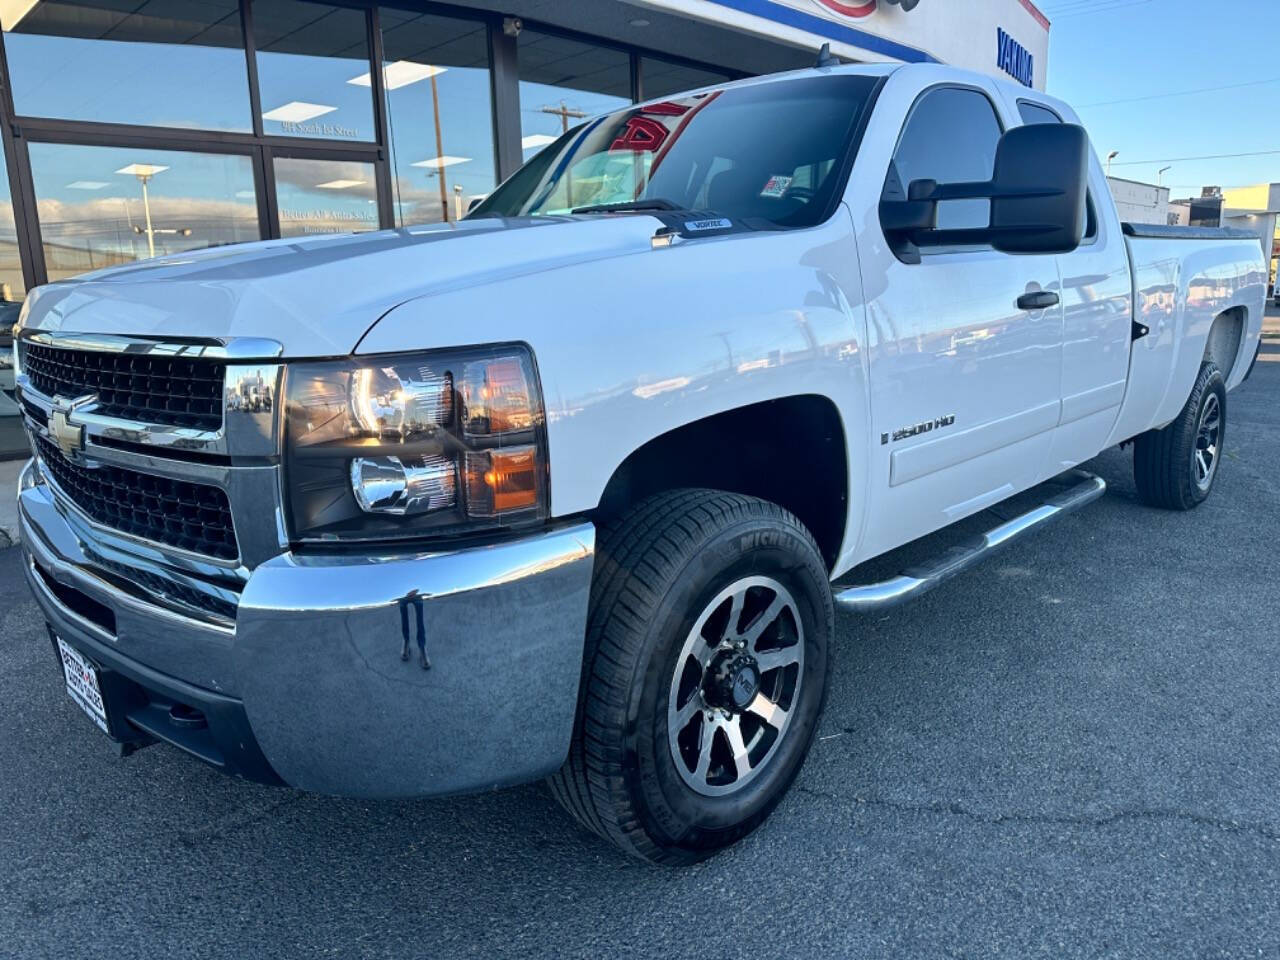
[{"x": 1038, "y": 197}]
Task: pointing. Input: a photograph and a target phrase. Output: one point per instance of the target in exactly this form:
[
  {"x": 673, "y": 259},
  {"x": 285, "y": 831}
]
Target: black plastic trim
[
  {"x": 140, "y": 700},
  {"x": 1158, "y": 231}
]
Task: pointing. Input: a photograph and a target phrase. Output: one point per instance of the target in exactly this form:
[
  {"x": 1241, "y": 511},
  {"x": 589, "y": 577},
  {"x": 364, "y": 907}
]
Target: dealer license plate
[{"x": 82, "y": 684}]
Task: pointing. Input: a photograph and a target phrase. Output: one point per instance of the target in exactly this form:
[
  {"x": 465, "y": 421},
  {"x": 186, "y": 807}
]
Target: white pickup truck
[{"x": 563, "y": 489}]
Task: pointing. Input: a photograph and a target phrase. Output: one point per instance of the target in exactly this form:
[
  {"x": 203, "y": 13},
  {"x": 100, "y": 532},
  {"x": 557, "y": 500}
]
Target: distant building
[
  {"x": 1256, "y": 209},
  {"x": 1140, "y": 202},
  {"x": 1202, "y": 211}
]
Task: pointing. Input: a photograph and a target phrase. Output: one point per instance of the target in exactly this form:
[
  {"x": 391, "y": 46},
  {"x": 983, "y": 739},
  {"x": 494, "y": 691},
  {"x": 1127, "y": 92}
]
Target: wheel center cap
[{"x": 733, "y": 682}]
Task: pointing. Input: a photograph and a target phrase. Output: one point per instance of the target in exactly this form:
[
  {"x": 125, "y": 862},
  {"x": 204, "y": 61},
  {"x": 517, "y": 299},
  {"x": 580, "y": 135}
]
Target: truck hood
[{"x": 318, "y": 296}]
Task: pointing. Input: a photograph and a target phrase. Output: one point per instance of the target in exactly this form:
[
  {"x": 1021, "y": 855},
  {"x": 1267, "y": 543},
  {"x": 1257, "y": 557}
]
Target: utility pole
[
  {"x": 564, "y": 113},
  {"x": 444, "y": 192}
]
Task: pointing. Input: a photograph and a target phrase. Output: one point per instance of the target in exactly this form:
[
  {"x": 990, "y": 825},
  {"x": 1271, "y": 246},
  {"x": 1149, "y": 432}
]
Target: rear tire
[
  {"x": 1175, "y": 467},
  {"x": 692, "y": 723}
]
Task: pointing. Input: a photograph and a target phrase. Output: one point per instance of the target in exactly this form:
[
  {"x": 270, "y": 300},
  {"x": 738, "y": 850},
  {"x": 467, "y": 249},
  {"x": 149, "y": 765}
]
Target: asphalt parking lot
[{"x": 1074, "y": 751}]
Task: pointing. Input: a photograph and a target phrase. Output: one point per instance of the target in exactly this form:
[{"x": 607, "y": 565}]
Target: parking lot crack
[{"x": 955, "y": 809}]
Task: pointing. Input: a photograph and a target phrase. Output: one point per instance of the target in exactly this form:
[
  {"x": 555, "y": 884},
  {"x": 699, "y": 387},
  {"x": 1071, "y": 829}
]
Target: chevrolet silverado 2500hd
[{"x": 561, "y": 490}]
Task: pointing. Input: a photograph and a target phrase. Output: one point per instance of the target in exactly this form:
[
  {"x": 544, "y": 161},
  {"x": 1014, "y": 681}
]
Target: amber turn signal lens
[{"x": 502, "y": 481}]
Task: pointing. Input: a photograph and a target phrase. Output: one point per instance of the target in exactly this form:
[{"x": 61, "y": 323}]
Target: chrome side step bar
[{"x": 915, "y": 581}]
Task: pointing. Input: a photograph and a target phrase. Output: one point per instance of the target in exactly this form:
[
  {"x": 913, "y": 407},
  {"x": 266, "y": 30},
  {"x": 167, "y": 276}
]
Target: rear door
[
  {"x": 965, "y": 383},
  {"x": 1097, "y": 300}
]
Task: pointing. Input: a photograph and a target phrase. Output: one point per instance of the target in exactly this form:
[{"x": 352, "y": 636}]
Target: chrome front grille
[
  {"x": 167, "y": 389},
  {"x": 161, "y": 458},
  {"x": 190, "y": 516}
]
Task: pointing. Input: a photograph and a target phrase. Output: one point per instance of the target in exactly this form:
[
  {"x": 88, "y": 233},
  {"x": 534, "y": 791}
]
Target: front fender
[{"x": 632, "y": 347}]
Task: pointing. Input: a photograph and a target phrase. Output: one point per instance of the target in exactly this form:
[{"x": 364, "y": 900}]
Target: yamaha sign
[
  {"x": 957, "y": 32},
  {"x": 1014, "y": 59}
]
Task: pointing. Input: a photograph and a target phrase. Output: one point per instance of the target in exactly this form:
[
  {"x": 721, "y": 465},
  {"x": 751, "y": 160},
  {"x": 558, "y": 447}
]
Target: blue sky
[{"x": 1107, "y": 50}]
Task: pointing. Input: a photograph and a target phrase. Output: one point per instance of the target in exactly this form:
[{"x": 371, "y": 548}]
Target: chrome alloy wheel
[
  {"x": 1208, "y": 435},
  {"x": 735, "y": 684}
]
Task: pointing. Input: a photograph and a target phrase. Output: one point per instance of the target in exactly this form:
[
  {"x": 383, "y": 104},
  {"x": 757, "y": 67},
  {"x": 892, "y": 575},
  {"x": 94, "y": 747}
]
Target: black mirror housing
[
  {"x": 1041, "y": 181},
  {"x": 1038, "y": 194}
]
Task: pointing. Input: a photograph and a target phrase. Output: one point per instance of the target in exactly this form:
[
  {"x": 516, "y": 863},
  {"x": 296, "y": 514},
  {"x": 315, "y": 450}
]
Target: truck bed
[{"x": 1184, "y": 279}]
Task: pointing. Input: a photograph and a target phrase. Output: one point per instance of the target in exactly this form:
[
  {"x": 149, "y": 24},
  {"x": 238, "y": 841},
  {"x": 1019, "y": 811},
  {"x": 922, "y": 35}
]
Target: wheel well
[
  {"x": 789, "y": 451},
  {"x": 1223, "y": 345}
]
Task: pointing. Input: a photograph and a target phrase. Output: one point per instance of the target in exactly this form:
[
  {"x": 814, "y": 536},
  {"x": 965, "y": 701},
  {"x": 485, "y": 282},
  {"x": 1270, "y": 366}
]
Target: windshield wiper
[{"x": 650, "y": 203}]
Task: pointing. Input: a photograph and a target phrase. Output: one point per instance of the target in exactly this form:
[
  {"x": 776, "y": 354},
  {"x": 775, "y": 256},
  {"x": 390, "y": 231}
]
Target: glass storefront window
[
  {"x": 325, "y": 196},
  {"x": 313, "y": 70},
  {"x": 13, "y": 442},
  {"x": 658, "y": 78},
  {"x": 439, "y": 115},
  {"x": 562, "y": 82},
  {"x": 103, "y": 206},
  {"x": 166, "y": 63},
  {"x": 12, "y": 287}
]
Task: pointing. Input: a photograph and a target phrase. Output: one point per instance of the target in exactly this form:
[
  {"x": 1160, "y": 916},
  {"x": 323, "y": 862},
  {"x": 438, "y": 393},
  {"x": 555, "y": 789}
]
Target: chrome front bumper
[{"x": 326, "y": 654}]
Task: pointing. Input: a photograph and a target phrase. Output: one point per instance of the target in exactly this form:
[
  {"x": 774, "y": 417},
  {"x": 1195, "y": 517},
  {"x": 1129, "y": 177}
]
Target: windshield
[{"x": 770, "y": 153}]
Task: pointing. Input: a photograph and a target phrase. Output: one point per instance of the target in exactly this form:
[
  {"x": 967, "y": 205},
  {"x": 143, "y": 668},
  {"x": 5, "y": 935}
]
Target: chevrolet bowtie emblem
[{"x": 68, "y": 436}]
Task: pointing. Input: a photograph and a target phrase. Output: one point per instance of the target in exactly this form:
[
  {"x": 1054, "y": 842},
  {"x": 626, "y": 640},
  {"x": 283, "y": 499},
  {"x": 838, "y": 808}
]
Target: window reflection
[
  {"x": 325, "y": 196},
  {"x": 12, "y": 287},
  {"x": 313, "y": 70},
  {"x": 12, "y": 439},
  {"x": 104, "y": 206},
  {"x": 166, "y": 63},
  {"x": 659, "y": 78},
  {"x": 562, "y": 82},
  {"x": 439, "y": 114}
]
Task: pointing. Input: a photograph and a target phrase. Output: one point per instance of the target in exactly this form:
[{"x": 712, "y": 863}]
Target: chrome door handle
[{"x": 1040, "y": 300}]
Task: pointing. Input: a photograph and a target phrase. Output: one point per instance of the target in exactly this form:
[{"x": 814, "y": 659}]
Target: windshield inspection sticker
[
  {"x": 719, "y": 223},
  {"x": 776, "y": 187}
]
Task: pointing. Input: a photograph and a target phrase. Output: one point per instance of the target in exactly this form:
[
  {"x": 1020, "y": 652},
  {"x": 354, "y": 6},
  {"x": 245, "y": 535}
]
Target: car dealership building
[{"x": 139, "y": 128}]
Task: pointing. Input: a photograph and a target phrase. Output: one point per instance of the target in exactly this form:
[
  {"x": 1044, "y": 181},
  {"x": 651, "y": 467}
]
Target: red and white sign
[{"x": 856, "y": 11}]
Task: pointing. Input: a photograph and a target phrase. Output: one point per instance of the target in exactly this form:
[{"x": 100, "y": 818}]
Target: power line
[
  {"x": 1069, "y": 7},
  {"x": 1107, "y": 7},
  {"x": 1180, "y": 93},
  {"x": 1209, "y": 156}
]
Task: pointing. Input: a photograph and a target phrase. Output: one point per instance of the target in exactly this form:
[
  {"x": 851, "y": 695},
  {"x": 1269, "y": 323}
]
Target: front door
[{"x": 965, "y": 384}]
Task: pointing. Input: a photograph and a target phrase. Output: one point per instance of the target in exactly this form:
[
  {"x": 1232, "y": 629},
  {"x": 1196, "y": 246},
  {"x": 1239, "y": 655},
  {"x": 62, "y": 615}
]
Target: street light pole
[
  {"x": 144, "y": 172},
  {"x": 1111, "y": 156},
  {"x": 1160, "y": 176},
  {"x": 146, "y": 209}
]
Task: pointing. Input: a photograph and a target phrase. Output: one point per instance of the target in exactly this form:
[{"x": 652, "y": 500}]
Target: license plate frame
[{"x": 83, "y": 679}]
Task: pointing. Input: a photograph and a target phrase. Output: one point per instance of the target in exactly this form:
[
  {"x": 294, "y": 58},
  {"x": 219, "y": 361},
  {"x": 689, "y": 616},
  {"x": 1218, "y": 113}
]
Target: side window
[
  {"x": 1038, "y": 113},
  {"x": 951, "y": 137}
]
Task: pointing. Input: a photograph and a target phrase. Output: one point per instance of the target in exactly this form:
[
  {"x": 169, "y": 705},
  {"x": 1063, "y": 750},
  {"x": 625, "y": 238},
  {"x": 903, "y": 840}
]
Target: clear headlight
[{"x": 447, "y": 442}]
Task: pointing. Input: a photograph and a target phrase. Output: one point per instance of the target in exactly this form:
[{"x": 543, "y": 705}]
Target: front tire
[
  {"x": 1175, "y": 467},
  {"x": 704, "y": 676}
]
